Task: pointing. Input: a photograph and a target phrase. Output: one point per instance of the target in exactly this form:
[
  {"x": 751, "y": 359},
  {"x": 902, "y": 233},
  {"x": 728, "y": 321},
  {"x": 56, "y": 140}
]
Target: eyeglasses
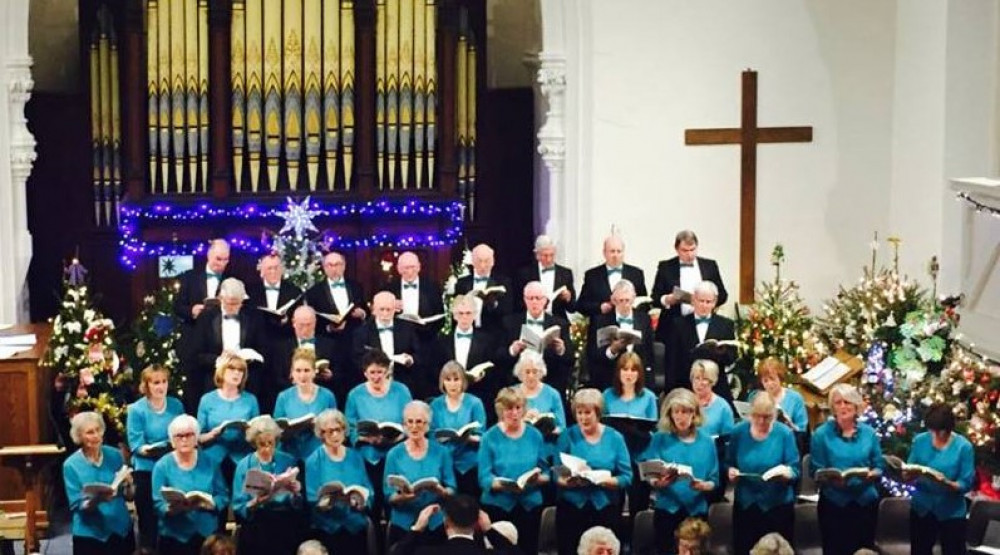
[
  {"x": 763, "y": 417},
  {"x": 335, "y": 430},
  {"x": 415, "y": 421},
  {"x": 184, "y": 435},
  {"x": 534, "y": 297}
]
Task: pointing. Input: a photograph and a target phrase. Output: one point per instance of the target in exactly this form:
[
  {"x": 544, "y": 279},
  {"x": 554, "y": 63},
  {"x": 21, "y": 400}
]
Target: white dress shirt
[
  {"x": 385, "y": 337},
  {"x": 690, "y": 278},
  {"x": 462, "y": 347},
  {"x": 211, "y": 284},
  {"x": 230, "y": 334},
  {"x": 411, "y": 297},
  {"x": 272, "y": 295},
  {"x": 702, "y": 329},
  {"x": 614, "y": 278},
  {"x": 339, "y": 294}
]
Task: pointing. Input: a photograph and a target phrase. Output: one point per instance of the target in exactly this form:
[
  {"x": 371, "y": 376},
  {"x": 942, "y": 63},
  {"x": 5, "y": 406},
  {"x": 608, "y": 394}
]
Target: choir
[{"x": 415, "y": 429}]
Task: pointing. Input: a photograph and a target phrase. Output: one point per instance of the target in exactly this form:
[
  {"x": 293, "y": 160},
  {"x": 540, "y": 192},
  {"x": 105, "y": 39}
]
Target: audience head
[
  {"x": 771, "y": 372},
  {"x": 183, "y": 431},
  {"x": 482, "y": 259},
  {"x": 230, "y": 369},
  {"x": 311, "y": 547},
  {"x": 334, "y": 266},
  {"x": 599, "y": 541},
  {"x": 614, "y": 251},
  {"x": 416, "y": 418},
  {"x": 846, "y": 402},
  {"x": 772, "y": 544},
  {"x": 461, "y": 512},
  {"x": 463, "y": 309},
  {"x": 232, "y": 293},
  {"x": 376, "y": 366},
  {"x": 704, "y": 297},
  {"x": 940, "y": 420},
  {"x": 218, "y": 544},
  {"x": 271, "y": 269},
  {"x": 86, "y": 429},
  {"x": 384, "y": 307},
  {"x": 304, "y": 322},
  {"x": 506, "y": 529},
  {"x": 629, "y": 370},
  {"x": 218, "y": 255},
  {"x": 545, "y": 250},
  {"x": 263, "y": 434},
  {"x": 331, "y": 427},
  {"x": 530, "y": 367},
  {"x": 154, "y": 381},
  {"x": 535, "y": 298},
  {"x": 622, "y": 296},
  {"x": 509, "y": 405},
  {"x": 692, "y": 536},
  {"x": 704, "y": 375},
  {"x": 452, "y": 378},
  {"x": 408, "y": 266},
  {"x": 681, "y": 412},
  {"x": 686, "y": 245}
]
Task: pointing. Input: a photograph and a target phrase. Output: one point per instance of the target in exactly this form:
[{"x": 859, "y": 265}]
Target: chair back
[
  {"x": 548, "y": 543},
  {"x": 643, "y": 534},
  {"x": 720, "y": 519},
  {"x": 807, "y": 536},
  {"x": 892, "y": 533}
]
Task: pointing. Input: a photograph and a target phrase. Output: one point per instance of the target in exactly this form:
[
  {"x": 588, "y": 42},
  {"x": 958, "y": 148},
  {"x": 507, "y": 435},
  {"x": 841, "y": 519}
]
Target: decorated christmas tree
[
  {"x": 90, "y": 375},
  {"x": 299, "y": 244},
  {"x": 155, "y": 335}
]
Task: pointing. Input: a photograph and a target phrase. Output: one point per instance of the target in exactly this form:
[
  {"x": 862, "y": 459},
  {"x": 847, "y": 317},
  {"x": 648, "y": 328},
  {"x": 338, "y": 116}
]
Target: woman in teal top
[
  {"x": 262, "y": 513},
  {"x": 415, "y": 459},
  {"x": 793, "y": 407},
  {"x": 540, "y": 398},
  {"x": 681, "y": 441},
  {"x": 146, "y": 426},
  {"x": 755, "y": 447},
  {"x": 303, "y": 398},
  {"x": 717, "y": 416},
  {"x": 583, "y": 503},
  {"x": 454, "y": 409},
  {"x": 183, "y": 528},
  {"x": 379, "y": 399},
  {"x": 101, "y": 522},
  {"x": 848, "y": 509},
  {"x": 937, "y": 508},
  {"x": 229, "y": 402},
  {"x": 338, "y": 522}
]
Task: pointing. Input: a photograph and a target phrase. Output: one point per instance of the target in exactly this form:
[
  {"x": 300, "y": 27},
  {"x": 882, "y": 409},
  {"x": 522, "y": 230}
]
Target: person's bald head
[
  {"x": 384, "y": 306},
  {"x": 304, "y": 322},
  {"x": 614, "y": 251},
  {"x": 408, "y": 266},
  {"x": 482, "y": 259},
  {"x": 218, "y": 255}
]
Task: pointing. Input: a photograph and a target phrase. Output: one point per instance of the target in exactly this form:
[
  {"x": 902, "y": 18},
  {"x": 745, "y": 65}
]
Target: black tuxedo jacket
[
  {"x": 429, "y": 304},
  {"x": 596, "y": 290},
  {"x": 681, "y": 337},
  {"x": 192, "y": 291},
  {"x": 453, "y": 546},
  {"x": 482, "y": 349},
  {"x": 602, "y": 369},
  {"x": 321, "y": 299},
  {"x": 559, "y": 367},
  {"x": 668, "y": 276},
  {"x": 277, "y": 328},
  {"x": 493, "y": 313},
  {"x": 208, "y": 347},
  {"x": 404, "y": 338},
  {"x": 564, "y": 276}
]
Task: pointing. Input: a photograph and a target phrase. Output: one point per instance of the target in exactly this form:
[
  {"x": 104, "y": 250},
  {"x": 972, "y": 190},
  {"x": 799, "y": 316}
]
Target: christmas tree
[
  {"x": 155, "y": 335},
  {"x": 298, "y": 244}
]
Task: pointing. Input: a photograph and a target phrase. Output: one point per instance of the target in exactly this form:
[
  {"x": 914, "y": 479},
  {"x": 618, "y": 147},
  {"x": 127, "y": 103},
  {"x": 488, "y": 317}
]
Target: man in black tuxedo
[
  {"x": 492, "y": 309},
  {"x": 273, "y": 292},
  {"x": 231, "y": 327},
  {"x": 462, "y": 519},
  {"x": 419, "y": 297},
  {"x": 684, "y": 271},
  {"x": 684, "y": 333},
  {"x": 334, "y": 376},
  {"x": 397, "y": 339},
  {"x": 332, "y": 297},
  {"x": 602, "y": 359},
  {"x": 552, "y": 276},
  {"x": 470, "y": 346},
  {"x": 558, "y": 354},
  {"x": 595, "y": 297}
]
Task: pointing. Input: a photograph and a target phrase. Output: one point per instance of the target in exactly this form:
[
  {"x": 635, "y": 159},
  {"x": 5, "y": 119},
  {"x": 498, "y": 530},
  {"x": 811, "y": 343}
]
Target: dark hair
[
  {"x": 375, "y": 357},
  {"x": 635, "y": 361},
  {"x": 939, "y": 417},
  {"x": 685, "y": 236},
  {"x": 461, "y": 510}
]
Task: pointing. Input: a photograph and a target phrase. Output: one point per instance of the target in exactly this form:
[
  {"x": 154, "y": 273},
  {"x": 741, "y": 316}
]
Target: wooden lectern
[{"x": 29, "y": 461}]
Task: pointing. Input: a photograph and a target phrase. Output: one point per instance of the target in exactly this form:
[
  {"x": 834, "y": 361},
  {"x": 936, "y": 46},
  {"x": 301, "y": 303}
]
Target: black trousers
[
  {"x": 115, "y": 545},
  {"x": 526, "y": 521},
  {"x": 846, "y": 529},
  {"x": 573, "y": 521},
  {"x": 925, "y": 531},
  {"x": 376, "y": 475},
  {"x": 753, "y": 523},
  {"x": 144, "y": 508}
]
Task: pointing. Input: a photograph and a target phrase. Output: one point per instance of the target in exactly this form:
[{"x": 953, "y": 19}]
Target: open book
[
  {"x": 832, "y": 370},
  {"x": 295, "y": 425},
  {"x": 918, "y": 470},
  {"x": 390, "y": 431},
  {"x": 261, "y": 483},
  {"x": 538, "y": 341},
  {"x": 681, "y": 295},
  {"x": 642, "y": 301},
  {"x": 574, "y": 467},
  {"x": 608, "y": 334},
  {"x": 282, "y": 310},
  {"x": 235, "y": 424},
  {"x": 521, "y": 482},
  {"x": 101, "y": 491},
  {"x": 403, "y": 485},
  {"x": 842, "y": 474},
  {"x": 629, "y": 423},
  {"x": 478, "y": 371},
  {"x": 555, "y": 294},
  {"x": 779, "y": 471},
  {"x": 250, "y": 355},
  {"x": 655, "y": 469},
  {"x": 416, "y": 319},
  {"x": 155, "y": 450},
  {"x": 743, "y": 409},
  {"x": 190, "y": 501},
  {"x": 463, "y": 434},
  {"x": 489, "y": 293},
  {"x": 332, "y": 493},
  {"x": 322, "y": 364},
  {"x": 545, "y": 422},
  {"x": 336, "y": 319}
]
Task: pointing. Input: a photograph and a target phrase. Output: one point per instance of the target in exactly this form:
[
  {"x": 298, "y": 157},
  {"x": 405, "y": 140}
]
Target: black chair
[
  {"x": 892, "y": 534},
  {"x": 807, "y": 485},
  {"x": 548, "y": 543},
  {"x": 659, "y": 367},
  {"x": 643, "y": 534},
  {"x": 807, "y": 536},
  {"x": 720, "y": 519},
  {"x": 980, "y": 514}
]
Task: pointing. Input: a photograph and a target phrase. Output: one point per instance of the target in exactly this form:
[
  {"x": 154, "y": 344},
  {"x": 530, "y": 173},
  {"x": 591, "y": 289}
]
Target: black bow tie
[{"x": 231, "y": 317}]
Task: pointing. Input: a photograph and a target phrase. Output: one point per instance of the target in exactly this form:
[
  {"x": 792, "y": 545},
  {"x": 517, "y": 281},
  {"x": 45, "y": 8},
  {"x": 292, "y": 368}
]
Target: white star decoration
[{"x": 298, "y": 217}]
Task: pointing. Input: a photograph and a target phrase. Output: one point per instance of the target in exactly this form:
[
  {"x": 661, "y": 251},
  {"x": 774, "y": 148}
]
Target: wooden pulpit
[
  {"x": 29, "y": 461},
  {"x": 24, "y": 393}
]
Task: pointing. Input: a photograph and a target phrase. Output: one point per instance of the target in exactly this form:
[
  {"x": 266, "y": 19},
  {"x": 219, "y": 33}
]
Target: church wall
[{"x": 658, "y": 67}]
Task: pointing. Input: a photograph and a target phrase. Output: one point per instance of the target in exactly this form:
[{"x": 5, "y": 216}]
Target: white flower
[
  {"x": 73, "y": 327},
  {"x": 449, "y": 285},
  {"x": 88, "y": 315},
  {"x": 466, "y": 257},
  {"x": 61, "y": 352}
]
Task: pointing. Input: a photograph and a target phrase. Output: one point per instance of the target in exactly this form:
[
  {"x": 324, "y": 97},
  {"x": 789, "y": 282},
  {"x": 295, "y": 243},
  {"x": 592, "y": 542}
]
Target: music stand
[{"x": 29, "y": 461}]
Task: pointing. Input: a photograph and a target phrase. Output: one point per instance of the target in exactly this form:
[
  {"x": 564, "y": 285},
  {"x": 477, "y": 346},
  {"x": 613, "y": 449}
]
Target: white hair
[
  {"x": 183, "y": 423},
  {"x": 262, "y": 425},
  {"x": 707, "y": 287},
  {"x": 624, "y": 286},
  {"x": 506, "y": 529},
  {"x": 421, "y": 406},
  {"x": 533, "y": 358},
  {"x": 544, "y": 242},
  {"x": 311, "y": 547},
  {"x": 83, "y": 419},
  {"x": 232, "y": 288},
  {"x": 596, "y": 536}
]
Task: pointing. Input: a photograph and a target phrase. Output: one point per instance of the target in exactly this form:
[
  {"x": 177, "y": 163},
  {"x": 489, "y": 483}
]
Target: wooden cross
[{"x": 748, "y": 135}]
